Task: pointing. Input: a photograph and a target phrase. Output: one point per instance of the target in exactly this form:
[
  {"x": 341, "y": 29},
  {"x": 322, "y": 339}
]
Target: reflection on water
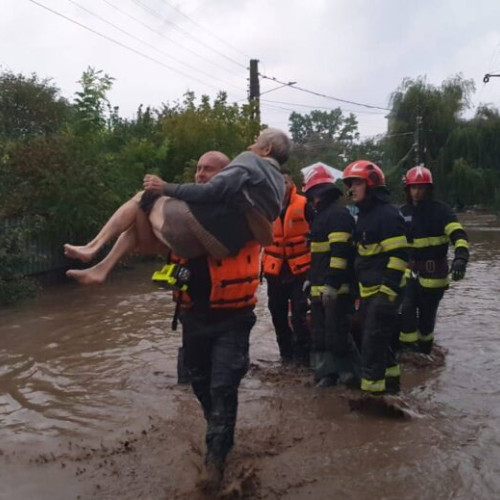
[{"x": 85, "y": 361}]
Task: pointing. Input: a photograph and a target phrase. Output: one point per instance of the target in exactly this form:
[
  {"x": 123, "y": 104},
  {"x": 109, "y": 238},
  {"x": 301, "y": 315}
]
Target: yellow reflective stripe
[
  {"x": 434, "y": 282},
  {"x": 369, "y": 250},
  {"x": 397, "y": 264},
  {"x": 431, "y": 241},
  {"x": 452, "y": 226},
  {"x": 394, "y": 243},
  {"x": 393, "y": 371},
  {"x": 407, "y": 273},
  {"x": 320, "y": 246},
  {"x": 384, "y": 246},
  {"x": 338, "y": 263},
  {"x": 409, "y": 337},
  {"x": 317, "y": 290},
  {"x": 367, "y": 291},
  {"x": 339, "y": 237},
  {"x": 426, "y": 338},
  {"x": 462, "y": 243},
  {"x": 373, "y": 385},
  {"x": 388, "y": 291}
]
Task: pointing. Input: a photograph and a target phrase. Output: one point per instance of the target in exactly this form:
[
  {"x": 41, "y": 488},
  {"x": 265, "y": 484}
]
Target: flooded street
[{"x": 89, "y": 406}]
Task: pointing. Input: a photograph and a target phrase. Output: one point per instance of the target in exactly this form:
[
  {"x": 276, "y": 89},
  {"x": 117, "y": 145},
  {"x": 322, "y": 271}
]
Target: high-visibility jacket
[
  {"x": 381, "y": 250},
  {"x": 332, "y": 249},
  {"x": 233, "y": 280},
  {"x": 431, "y": 226},
  {"x": 289, "y": 240}
]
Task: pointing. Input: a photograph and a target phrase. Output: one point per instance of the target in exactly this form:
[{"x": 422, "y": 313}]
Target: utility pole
[
  {"x": 254, "y": 94},
  {"x": 419, "y": 156}
]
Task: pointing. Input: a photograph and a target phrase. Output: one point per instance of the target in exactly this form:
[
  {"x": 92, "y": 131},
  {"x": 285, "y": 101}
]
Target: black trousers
[
  {"x": 333, "y": 348},
  {"x": 378, "y": 344},
  {"x": 418, "y": 314},
  {"x": 293, "y": 340},
  {"x": 216, "y": 357}
]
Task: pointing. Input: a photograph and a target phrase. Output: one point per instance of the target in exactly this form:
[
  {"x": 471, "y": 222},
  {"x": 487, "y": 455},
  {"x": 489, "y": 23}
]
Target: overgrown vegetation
[{"x": 69, "y": 163}]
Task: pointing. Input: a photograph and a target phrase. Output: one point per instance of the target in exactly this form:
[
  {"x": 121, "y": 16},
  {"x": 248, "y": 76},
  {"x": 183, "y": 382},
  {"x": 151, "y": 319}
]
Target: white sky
[{"x": 358, "y": 50}]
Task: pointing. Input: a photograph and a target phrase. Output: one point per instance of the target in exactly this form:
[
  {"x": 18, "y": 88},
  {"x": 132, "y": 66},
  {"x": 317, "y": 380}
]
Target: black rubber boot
[
  {"x": 392, "y": 385},
  {"x": 425, "y": 347},
  {"x": 211, "y": 475}
]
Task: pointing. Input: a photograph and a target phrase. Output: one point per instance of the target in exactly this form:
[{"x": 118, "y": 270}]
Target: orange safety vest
[
  {"x": 290, "y": 240},
  {"x": 234, "y": 280}
]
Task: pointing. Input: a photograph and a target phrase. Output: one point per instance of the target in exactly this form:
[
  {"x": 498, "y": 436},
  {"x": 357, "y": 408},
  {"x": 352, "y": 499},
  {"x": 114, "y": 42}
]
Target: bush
[{"x": 14, "y": 256}]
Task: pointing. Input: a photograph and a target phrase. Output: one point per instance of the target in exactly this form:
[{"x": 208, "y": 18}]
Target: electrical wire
[
  {"x": 373, "y": 113},
  {"x": 130, "y": 16},
  {"x": 150, "y": 44},
  {"x": 206, "y": 30},
  {"x": 121, "y": 44},
  {"x": 157, "y": 15},
  {"x": 346, "y": 101}
]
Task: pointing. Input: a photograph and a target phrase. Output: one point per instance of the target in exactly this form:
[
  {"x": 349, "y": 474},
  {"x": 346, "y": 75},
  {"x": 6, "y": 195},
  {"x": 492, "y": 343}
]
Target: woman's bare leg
[
  {"x": 119, "y": 222},
  {"x": 126, "y": 243},
  {"x": 139, "y": 237}
]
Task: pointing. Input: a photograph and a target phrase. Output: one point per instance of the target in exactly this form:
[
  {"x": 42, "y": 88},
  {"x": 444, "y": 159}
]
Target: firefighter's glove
[
  {"x": 458, "y": 268},
  {"x": 306, "y": 287},
  {"x": 385, "y": 305},
  {"x": 329, "y": 295}
]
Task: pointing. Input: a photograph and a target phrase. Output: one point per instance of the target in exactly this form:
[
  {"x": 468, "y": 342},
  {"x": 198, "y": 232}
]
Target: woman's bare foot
[
  {"x": 86, "y": 276},
  {"x": 83, "y": 253}
]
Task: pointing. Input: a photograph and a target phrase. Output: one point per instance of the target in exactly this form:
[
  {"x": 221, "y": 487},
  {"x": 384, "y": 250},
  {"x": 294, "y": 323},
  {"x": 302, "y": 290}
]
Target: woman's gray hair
[{"x": 280, "y": 144}]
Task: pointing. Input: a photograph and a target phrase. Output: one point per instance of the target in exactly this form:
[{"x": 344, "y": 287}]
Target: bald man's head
[{"x": 210, "y": 164}]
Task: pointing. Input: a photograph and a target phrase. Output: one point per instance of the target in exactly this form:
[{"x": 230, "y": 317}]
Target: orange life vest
[
  {"x": 234, "y": 280},
  {"x": 290, "y": 240}
]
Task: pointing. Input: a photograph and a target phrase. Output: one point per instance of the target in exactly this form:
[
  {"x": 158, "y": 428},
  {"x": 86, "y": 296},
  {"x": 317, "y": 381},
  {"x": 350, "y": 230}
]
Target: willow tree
[{"x": 423, "y": 116}]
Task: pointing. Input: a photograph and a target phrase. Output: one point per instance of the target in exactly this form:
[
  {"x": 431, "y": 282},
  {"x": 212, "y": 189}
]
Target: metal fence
[{"x": 44, "y": 252}]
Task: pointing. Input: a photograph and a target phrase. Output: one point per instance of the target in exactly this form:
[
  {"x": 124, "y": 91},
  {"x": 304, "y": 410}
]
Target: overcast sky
[{"x": 356, "y": 50}]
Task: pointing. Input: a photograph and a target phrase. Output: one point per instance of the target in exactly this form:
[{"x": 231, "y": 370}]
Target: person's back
[{"x": 217, "y": 317}]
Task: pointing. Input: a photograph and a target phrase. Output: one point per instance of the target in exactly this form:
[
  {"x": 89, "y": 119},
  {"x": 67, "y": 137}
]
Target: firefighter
[
  {"x": 431, "y": 226},
  {"x": 380, "y": 263},
  {"x": 334, "y": 357},
  {"x": 284, "y": 265}
]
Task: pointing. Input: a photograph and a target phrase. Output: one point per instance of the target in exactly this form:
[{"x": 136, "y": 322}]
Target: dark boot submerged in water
[
  {"x": 210, "y": 478},
  {"x": 381, "y": 404}
]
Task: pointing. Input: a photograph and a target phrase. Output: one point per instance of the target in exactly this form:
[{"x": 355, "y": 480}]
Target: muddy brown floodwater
[{"x": 89, "y": 406}]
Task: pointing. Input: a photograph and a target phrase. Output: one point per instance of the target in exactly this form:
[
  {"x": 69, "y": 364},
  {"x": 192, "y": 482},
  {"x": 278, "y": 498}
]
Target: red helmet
[
  {"x": 366, "y": 170},
  {"x": 317, "y": 175},
  {"x": 418, "y": 175}
]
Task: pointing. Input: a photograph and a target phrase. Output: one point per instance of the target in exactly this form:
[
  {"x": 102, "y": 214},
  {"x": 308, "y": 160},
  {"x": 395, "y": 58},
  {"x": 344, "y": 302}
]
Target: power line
[
  {"x": 149, "y": 44},
  {"x": 375, "y": 113},
  {"x": 130, "y": 16},
  {"x": 206, "y": 30},
  {"x": 156, "y": 14},
  {"x": 121, "y": 44},
  {"x": 371, "y": 106}
]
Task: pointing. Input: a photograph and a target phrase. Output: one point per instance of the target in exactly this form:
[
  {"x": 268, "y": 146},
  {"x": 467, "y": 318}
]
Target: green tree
[
  {"x": 432, "y": 111},
  {"x": 91, "y": 103},
  {"x": 30, "y": 107},
  {"x": 327, "y": 136},
  {"x": 191, "y": 128}
]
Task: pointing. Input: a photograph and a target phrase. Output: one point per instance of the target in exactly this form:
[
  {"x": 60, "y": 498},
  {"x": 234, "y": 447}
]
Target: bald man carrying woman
[{"x": 217, "y": 218}]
